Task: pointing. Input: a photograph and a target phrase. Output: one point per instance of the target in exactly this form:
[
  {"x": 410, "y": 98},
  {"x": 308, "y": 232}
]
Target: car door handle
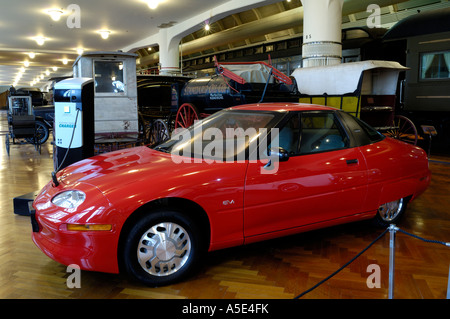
[{"x": 352, "y": 161}]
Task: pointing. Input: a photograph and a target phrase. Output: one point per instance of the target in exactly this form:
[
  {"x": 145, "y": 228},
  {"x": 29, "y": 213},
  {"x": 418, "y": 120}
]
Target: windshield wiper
[{"x": 162, "y": 149}]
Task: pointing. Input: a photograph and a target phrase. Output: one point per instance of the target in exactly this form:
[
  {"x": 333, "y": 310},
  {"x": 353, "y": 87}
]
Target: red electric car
[{"x": 244, "y": 174}]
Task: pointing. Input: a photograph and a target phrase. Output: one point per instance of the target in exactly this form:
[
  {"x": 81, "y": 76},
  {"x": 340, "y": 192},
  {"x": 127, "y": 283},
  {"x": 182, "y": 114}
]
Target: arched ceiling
[{"x": 131, "y": 21}]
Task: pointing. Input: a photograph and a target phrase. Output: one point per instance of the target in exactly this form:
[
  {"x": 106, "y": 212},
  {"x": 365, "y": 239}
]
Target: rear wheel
[
  {"x": 161, "y": 248},
  {"x": 403, "y": 129},
  {"x": 390, "y": 213}
]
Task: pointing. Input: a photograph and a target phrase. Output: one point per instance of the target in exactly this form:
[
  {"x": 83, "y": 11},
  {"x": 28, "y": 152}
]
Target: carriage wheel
[
  {"x": 159, "y": 132},
  {"x": 404, "y": 130},
  {"x": 186, "y": 115},
  {"x": 42, "y": 134}
]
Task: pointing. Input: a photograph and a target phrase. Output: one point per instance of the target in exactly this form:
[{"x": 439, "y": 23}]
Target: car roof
[{"x": 282, "y": 107}]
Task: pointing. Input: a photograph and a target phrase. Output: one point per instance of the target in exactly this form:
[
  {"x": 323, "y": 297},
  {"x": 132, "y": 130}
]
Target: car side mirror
[{"x": 282, "y": 154}]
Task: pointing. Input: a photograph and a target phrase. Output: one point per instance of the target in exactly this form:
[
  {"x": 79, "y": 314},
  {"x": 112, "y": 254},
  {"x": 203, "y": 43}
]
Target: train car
[{"x": 425, "y": 91}]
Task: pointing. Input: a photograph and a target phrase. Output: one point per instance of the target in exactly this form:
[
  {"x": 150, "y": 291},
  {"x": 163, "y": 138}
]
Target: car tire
[
  {"x": 390, "y": 213},
  {"x": 161, "y": 248}
]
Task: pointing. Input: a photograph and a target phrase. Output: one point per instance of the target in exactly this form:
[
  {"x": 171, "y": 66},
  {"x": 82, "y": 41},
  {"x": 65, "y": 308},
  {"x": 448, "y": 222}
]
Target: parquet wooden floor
[{"x": 276, "y": 269}]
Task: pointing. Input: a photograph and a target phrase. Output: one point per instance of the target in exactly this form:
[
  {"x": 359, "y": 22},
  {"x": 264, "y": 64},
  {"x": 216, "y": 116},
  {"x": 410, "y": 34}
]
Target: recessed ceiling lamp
[
  {"x": 47, "y": 72},
  {"x": 55, "y": 14},
  {"x": 80, "y": 51},
  {"x": 65, "y": 61},
  {"x": 31, "y": 55},
  {"x": 207, "y": 26},
  {"x": 55, "y": 68},
  {"x": 152, "y": 4},
  {"x": 104, "y": 34},
  {"x": 40, "y": 40},
  {"x": 26, "y": 64}
]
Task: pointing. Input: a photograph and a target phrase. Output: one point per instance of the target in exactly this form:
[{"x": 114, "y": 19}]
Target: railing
[{"x": 392, "y": 229}]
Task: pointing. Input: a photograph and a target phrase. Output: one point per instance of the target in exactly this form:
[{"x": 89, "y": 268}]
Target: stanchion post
[
  {"x": 448, "y": 285},
  {"x": 392, "y": 230}
]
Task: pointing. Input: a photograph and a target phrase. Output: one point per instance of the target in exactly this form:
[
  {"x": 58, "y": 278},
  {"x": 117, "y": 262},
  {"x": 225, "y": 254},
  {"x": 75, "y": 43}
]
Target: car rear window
[{"x": 363, "y": 133}]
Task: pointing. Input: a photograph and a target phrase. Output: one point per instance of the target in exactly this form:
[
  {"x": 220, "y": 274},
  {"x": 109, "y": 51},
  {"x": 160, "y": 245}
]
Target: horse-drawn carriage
[
  {"x": 234, "y": 83},
  {"x": 366, "y": 89}
]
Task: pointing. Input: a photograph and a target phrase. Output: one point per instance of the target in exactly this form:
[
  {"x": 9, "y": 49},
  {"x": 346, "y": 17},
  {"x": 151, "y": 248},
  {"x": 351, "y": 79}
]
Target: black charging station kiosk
[{"x": 74, "y": 124}]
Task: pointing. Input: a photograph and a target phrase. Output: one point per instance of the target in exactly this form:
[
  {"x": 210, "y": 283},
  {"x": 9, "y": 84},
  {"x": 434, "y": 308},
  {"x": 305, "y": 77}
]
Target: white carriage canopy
[{"x": 346, "y": 78}]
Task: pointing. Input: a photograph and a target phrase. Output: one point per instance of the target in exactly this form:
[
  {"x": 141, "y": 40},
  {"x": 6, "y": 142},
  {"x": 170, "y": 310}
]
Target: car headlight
[{"x": 69, "y": 199}]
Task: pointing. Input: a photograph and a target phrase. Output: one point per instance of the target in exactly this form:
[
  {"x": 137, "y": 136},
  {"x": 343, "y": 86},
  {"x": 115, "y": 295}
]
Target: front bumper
[{"x": 90, "y": 250}]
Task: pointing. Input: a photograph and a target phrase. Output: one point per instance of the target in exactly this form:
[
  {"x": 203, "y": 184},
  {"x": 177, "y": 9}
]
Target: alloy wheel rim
[
  {"x": 164, "y": 249},
  {"x": 389, "y": 211}
]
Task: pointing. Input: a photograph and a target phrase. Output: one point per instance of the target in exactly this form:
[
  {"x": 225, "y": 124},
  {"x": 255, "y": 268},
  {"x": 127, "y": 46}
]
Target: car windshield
[{"x": 225, "y": 135}]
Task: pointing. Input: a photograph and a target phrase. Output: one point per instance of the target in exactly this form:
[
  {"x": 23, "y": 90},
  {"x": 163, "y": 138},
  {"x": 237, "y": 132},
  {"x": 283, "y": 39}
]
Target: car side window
[
  {"x": 289, "y": 136},
  {"x": 320, "y": 132}
]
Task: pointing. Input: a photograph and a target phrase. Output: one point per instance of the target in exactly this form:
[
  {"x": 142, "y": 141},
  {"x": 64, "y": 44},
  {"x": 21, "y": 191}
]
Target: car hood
[{"x": 119, "y": 167}]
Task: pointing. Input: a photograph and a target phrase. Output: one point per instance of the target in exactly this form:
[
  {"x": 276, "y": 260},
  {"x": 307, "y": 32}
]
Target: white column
[
  {"x": 322, "y": 27},
  {"x": 168, "y": 54}
]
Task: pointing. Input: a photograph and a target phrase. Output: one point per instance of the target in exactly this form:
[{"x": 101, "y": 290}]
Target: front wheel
[
  {"x": 161, "y": 248},
  {"x": 390, "y": 213}
]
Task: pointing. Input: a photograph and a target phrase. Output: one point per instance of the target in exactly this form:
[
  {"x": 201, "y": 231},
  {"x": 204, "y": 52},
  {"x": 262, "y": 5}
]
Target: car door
[{"x": 323, "y": 179}]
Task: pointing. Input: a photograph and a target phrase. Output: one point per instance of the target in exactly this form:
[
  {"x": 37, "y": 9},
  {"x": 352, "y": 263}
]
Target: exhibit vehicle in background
[
  {"x": 23, "y": 126},
  {"x": 115, "y": 97},
  {"x": 365, "y": 89},
  {"x": 234, "y": 83},
  {"x": 37, "y": 97},
  {"x": 425, "y": 37},
  {"x": 153, "y": 211},
  {"x": 43, "y": 113},
  {"x": 155, "y": 94}
]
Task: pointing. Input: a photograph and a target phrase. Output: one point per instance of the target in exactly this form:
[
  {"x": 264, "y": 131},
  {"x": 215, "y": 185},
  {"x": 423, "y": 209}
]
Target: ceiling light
[
  {"x": 65, "y": 61},
  {"x": 40, "y": 40},
  {"x": 207, "y": 27},
  {"x": 42, "y": 76},
  {"x": 153, "y": 4},
  {"x": 104, "y": 34},
  {"x": 55, "y": 14},
  {"x": 26, "y": 64},
  {"x": 80, "y": 51},
  {"x": 47, "y": 72},
  {"x": 55, "y": 68},
  {"x": 31, "y": 55}
]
